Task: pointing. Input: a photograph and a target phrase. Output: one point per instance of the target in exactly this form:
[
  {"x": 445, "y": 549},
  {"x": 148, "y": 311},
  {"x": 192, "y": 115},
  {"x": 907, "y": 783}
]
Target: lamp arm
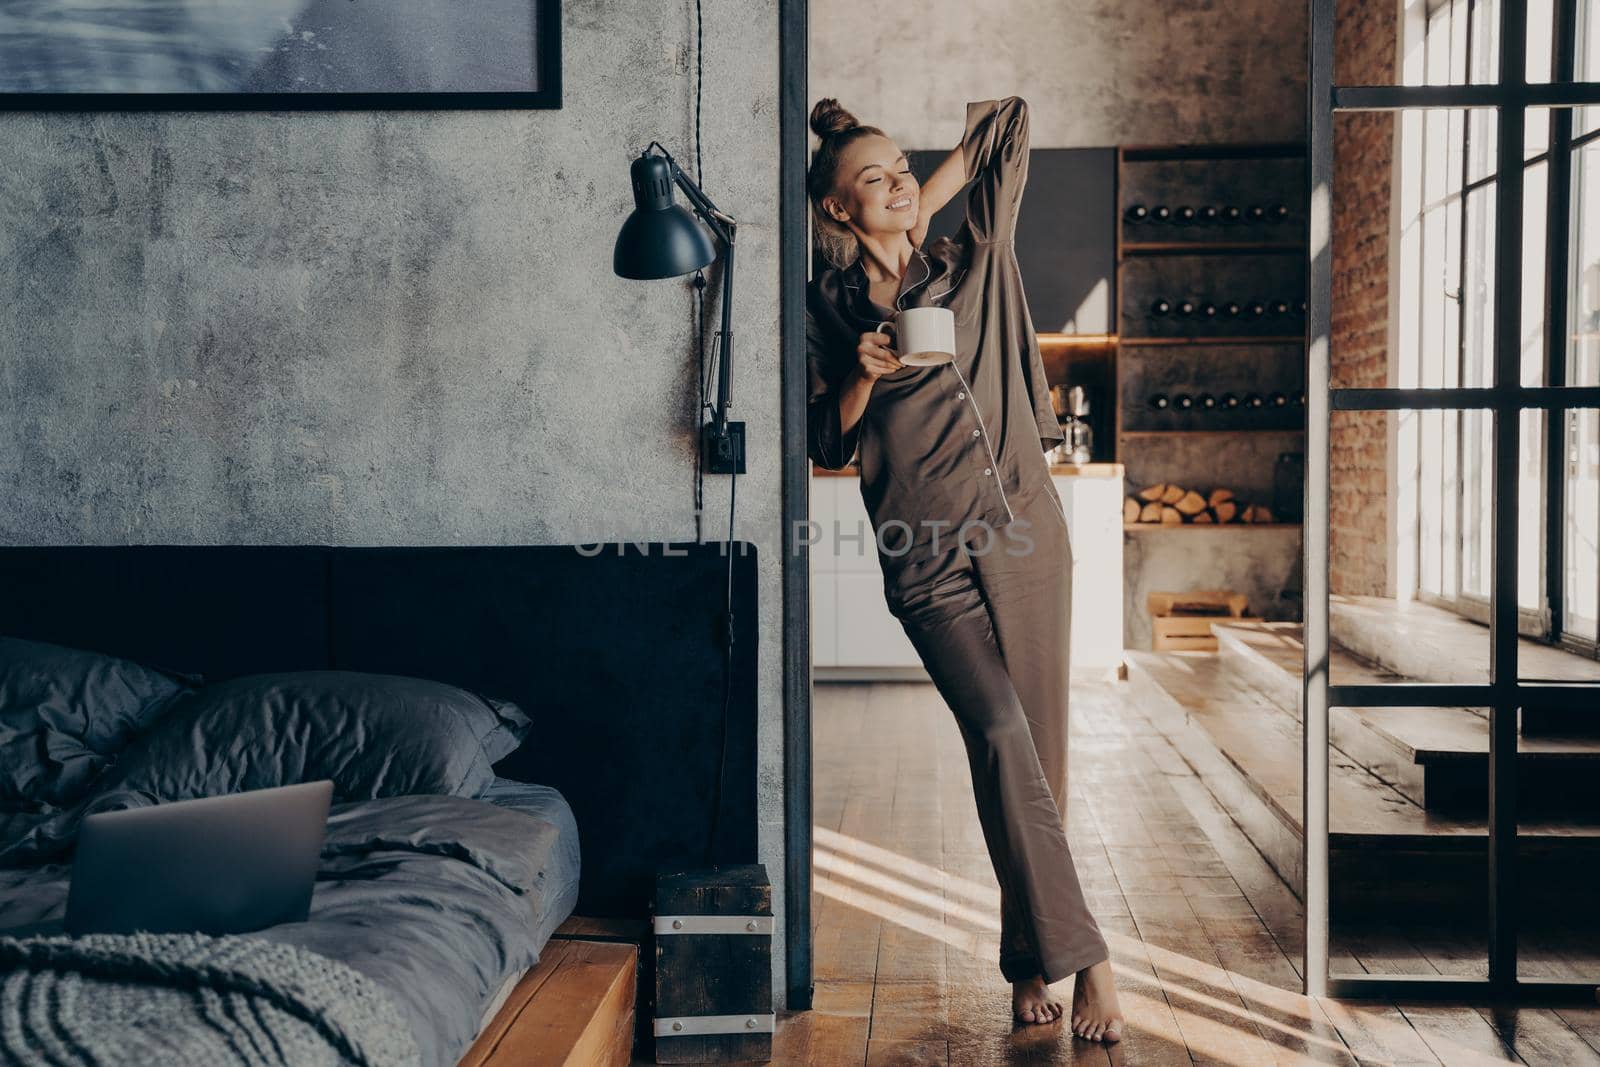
[
  {"x": 725, "y": 227},
  {"x": 725, "y": 360},
  {"x": 721, "y": 223}
]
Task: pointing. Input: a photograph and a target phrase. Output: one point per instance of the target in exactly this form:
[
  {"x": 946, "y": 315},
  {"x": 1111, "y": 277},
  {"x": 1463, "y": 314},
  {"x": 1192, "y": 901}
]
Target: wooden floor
[{"x": 1204, "y": 936}]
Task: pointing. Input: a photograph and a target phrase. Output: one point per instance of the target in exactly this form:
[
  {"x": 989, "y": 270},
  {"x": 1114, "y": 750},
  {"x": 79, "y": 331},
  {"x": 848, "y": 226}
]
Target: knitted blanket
[{"x": 182, "y": 999}]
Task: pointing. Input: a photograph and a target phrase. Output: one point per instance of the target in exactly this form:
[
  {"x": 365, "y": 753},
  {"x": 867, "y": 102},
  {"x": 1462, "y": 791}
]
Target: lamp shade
[{"x": 660, "y": 239}]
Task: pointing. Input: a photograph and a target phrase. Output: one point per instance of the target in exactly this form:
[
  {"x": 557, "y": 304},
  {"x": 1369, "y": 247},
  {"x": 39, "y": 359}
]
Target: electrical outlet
[{"x": 725, "y": 454}]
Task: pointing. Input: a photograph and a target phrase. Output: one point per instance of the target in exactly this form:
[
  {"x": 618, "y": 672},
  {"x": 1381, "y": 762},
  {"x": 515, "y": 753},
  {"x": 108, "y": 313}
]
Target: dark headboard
[{"x": 616, "y": 656}]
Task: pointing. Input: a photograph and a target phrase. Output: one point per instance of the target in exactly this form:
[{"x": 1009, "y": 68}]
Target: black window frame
[{"x": 1505, "y": 694}]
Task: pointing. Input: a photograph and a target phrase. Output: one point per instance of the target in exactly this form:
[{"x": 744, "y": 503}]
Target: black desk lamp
[{"x": 662, "y": 240}]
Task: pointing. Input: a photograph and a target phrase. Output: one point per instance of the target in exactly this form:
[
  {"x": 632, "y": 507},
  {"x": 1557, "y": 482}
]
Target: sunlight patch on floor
[
  {"x": 1201, "y": 997},
  {"x": 853, "y": 848}
]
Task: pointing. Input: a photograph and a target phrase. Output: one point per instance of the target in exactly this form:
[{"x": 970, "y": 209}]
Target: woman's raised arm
[
  {"x": 994, "y": 151},
  {"x": 940, "y": 188},
  {"x": 996, "y": 145}
]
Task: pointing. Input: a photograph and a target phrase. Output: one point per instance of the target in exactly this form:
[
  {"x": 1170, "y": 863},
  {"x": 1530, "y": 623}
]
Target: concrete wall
[
  {"x": 1259, "y": 563},
  {"x": 1095, "y": 72},
  {"x": 393, "y": 328}
]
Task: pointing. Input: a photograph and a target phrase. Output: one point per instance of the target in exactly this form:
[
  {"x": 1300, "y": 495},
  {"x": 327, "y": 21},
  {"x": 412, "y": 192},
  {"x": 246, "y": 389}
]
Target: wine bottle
[
  {"x": 1280, "y": 212},
  {"x": 1207, "y": 402},
  {"x": 1278, "y": 400},
  {"x": 1232, "y": 308},
  {"x": 1208, "y": 310},
  {"x": 1255, "y": 212},
  {"x": 1137, "y": 213},
  {"x": 1183, "y": 401},
  {"x": 1302, "y": 400},
  {"x": 1280, "y": 307},
  {"x": 1159, "y": 401},
  {"x": 1229, "y": 401},
  {"x": 1257, "y": 309},
  {"x": 1208, "y": 213},
  {"x": 1186, "y": 307},
  {"x": 1160, "y": 306},
  {"x": 1160, "y": 213},
  {"x": 1230, "y": 213},
  {"x": 1185, "y": 214},
  {"x": 1302, "y": 307},
  {"x": 1253, "y": 400}
]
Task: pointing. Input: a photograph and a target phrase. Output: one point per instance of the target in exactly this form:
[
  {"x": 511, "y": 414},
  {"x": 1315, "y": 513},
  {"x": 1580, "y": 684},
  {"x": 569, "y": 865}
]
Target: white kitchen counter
[{"x": 853, "y": 635}]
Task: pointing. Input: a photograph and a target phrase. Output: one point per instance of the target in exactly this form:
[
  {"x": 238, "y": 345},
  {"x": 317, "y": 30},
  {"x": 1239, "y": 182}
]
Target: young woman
[{"x": 970, "y": 533}]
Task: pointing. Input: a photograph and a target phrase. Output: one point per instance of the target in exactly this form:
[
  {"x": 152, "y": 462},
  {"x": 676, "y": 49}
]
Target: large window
[
  {"x": 1490, "y": 398},
  {"x": 1445, "y": 286}
]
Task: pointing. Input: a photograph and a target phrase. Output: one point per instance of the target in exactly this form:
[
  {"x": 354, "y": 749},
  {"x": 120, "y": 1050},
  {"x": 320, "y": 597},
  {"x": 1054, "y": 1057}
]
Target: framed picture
[{"x": 279, "y": 54}]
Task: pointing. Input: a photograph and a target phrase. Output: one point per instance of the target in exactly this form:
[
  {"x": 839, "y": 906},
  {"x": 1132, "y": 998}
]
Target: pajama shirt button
[
  {"x": 986, "y": 470},
  {"x": 961, "y": 396},
  {"x": 974, "y": 433}
]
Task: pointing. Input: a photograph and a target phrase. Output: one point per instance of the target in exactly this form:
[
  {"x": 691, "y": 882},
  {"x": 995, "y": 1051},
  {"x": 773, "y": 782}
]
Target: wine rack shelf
[
  {"x": 1161, "y": 248},
  {"x": 1210, "y": 366},
  {"x": 1195, "y": 339},
  {"x": 1131, "y": 435},
  {"x": 1228, "y": 527},
  {"x": 1210, "y": 292}
]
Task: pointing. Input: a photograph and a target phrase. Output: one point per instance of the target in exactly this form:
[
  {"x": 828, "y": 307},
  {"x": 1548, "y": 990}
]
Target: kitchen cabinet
[
  {"x": 851, "y": 627},
  {"x": 853, "y": 634},
  {"x": 1092, "y": 501}
]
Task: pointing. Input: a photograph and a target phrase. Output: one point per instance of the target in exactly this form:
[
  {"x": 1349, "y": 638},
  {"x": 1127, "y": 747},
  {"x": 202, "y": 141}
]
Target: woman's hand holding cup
[{"x": 874, "y": 357}]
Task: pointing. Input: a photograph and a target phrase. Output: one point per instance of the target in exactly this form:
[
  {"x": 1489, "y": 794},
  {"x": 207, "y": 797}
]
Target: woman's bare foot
[
  {"x": 1096, "y": 1015},
  {"x": 1032, "y": 1001}
]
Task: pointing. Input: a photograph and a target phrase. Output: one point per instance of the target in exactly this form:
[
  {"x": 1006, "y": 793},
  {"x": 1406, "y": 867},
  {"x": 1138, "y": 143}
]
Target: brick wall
[{"x": 1365, "y": 35}]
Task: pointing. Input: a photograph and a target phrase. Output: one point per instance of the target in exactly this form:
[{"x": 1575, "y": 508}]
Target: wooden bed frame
[{"x": 577, "y": 1008}]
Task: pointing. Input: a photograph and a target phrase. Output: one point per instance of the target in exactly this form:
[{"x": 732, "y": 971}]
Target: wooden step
[
  {"x": 574, "y": 1009},
  {"x": 1427, "y": 643},
  {"x": 1437, "y": 757},
  {"x": 1386, "y": 851}
]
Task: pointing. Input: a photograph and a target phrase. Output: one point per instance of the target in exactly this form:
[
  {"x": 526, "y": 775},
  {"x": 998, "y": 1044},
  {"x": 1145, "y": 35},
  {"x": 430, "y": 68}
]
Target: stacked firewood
[{"x": 1165, "y": 504}]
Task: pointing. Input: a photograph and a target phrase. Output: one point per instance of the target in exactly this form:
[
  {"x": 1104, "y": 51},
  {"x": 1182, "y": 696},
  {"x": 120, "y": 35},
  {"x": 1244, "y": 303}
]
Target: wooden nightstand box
[{"x": 713, "y": 938}]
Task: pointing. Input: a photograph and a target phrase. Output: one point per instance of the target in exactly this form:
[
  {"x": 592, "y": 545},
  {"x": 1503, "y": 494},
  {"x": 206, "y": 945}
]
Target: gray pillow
[
  {"x": 65, "y": 714},
  {"x": 374, "y": 735}
]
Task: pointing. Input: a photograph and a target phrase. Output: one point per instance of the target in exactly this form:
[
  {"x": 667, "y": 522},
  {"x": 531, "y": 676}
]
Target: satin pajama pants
[{"x": 988, "y": 614}]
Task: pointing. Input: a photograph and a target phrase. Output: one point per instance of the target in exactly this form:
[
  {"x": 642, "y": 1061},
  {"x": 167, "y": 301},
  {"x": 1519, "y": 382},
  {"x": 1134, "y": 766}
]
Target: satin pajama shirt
[{"x": 970, "y": 533}]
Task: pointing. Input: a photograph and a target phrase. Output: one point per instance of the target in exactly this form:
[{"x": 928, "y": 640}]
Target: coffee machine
[{"x": 1071, "y": 403}]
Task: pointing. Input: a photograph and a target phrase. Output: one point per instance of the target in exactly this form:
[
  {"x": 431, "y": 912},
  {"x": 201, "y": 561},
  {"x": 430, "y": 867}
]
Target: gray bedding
[
  {"x": 188, "y": 1000},
  {"x": 436, "y": 899}
]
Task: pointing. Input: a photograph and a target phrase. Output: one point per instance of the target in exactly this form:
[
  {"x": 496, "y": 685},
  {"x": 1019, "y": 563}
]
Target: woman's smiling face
[{"x": 874, "y": 189}]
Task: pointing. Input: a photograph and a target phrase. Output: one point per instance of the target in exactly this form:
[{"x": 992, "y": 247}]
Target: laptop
[{"x": 218, "y": 865}]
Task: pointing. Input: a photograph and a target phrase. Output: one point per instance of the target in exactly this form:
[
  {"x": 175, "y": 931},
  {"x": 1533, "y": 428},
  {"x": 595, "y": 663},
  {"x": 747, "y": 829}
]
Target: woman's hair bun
[{"x": 828, "y": 118}]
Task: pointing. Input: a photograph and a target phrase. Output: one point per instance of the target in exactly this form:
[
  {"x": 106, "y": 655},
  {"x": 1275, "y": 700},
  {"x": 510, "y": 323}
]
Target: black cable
[
  {"x": 727, "y": 624},
  {"x": 699, "y": 80},
  {"x": 699, "y": 289},
  {"x": 727, "y": 677}
]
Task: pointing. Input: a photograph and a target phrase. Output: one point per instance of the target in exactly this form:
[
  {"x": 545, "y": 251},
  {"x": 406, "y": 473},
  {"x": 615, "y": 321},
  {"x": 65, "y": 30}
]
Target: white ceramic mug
[{"x": 924, "y": 337}]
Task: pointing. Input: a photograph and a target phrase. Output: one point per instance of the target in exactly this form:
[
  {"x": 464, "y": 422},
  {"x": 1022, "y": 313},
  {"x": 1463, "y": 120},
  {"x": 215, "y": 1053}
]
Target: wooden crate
[
  {"x": 713, "y": 941},
  {"x": 1181, "y": 622}
]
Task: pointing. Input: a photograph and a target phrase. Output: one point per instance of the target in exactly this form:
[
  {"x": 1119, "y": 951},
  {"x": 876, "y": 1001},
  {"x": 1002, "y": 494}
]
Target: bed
[
  {"x": 436, "y": 897},
  {"x": 462, "y": 951},
  {"x": 439, "y": 883}
]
